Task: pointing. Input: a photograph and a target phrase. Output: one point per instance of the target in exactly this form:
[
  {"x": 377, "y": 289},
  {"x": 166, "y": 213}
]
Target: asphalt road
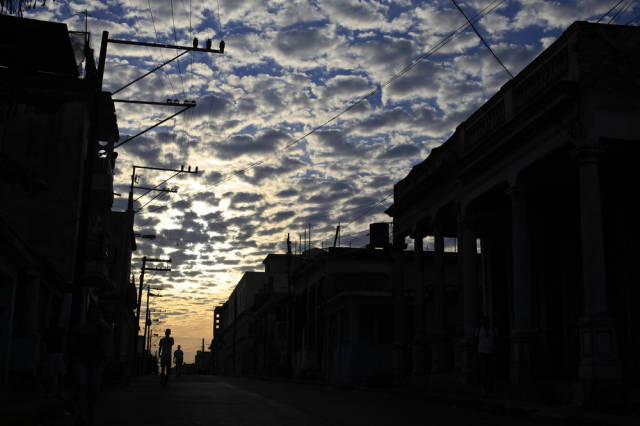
[{"x": 221, "y": 401}]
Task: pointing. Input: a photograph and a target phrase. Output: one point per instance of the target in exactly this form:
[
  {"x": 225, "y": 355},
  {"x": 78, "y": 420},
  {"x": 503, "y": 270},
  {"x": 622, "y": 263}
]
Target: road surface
[{"x": 221, "y": 401}]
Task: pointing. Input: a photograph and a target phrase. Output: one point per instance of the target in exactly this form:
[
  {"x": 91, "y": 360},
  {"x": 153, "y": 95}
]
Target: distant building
[
  {"x": 322, "y": 315},
  {"x": 535, "y": 188},
  {"x": 237, "y": 352}
]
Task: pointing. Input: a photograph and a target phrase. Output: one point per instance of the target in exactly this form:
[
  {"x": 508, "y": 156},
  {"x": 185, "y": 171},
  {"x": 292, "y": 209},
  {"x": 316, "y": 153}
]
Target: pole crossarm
[
  {"x": 119, "y": 144},
  {"x": 156, "y": 189},
  {"x": 155, "y": 259},
  {"x": 168, "y": 102},
  {"x": 165, "y": 46},
  {"x": 159, "y": 269},
  {"x": 166, "y": 169}
]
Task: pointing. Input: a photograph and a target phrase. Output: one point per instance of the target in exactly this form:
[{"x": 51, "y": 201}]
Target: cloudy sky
[{"x": 289, "y": 67}]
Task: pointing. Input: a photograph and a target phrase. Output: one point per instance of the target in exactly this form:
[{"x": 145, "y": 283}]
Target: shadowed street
[{"x": 207, "y": 400}]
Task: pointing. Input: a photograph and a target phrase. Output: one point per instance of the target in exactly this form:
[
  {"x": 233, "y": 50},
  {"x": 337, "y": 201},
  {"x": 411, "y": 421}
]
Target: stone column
[
  {"x": 419, "y": 337},
  {"x": 440, "y": 359},
  {"x": 399, "y": 308},
  {"x": 520, "y": 337},
  {"x": 468, "y": 256},
  {"x": 31, "y": 310},
  {"x": 598, "y": 360}
]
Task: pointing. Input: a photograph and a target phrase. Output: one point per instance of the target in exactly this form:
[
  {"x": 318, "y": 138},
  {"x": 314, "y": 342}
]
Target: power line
[
  {"x": 486, "y": 10},
  {"x": 494, "y": 4},
  {"x": 620, "y": 11},
  {"x": 161, "y": 183},
  {"x": 632, "y": 20},
  {"x": 609, "y": 11},
  {"x": 219, "y": 21},
  {"x": 152, "y": 198},
  {"x": 475, "y": 30},
  {"x": 155, "y": 31},
  {"x": 175, "y": 37},
  {"x": 371, "y": 207}
]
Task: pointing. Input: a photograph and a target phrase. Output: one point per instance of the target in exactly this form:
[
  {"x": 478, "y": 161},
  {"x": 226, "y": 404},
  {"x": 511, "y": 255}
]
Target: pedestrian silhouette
[
  {"x": 486, "y": 349},
  {"x": 56, "y": 368},
  {"x": 165, "y": 345},
  {"x": 178, "y": 358}
]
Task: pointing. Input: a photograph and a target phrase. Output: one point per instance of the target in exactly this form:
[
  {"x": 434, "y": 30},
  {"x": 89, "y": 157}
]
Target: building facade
[
  {"x": 56, "y": 183},
  {"x": 533, "y": 187}
]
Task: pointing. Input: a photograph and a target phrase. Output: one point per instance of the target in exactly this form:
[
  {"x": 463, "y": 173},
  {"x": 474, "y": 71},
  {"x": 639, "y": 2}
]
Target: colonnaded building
[{"x": 537, "y": 187}]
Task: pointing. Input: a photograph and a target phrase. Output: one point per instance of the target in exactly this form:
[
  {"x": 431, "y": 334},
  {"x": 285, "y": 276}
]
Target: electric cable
[
  {"x": 620, "y": 12},
  {"x": 155, "y": 31},
  {"x": 493, "y": 5},
  {"x": 609, "y": 11},
  {"x": 175, "y": 37},
  {"x": 161, "y": 183},
  {"x": 632, "y": 20},
  {"x": 486, "y": 10},
  {"x": 475, "y": 30}
]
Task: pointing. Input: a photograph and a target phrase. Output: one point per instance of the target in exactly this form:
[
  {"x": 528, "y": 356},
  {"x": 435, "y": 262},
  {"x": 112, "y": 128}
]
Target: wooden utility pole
[
  {"x": 289, "y": 311},
  {"x": 170, "y": 102},
  {"x": 145, "y": 259}
]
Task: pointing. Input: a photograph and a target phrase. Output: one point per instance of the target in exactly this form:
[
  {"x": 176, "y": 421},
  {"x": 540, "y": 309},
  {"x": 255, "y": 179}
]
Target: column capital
[
  {"x": 417, "y": 244},
  {"x": 398, "y": 244},
  {"x": 516, "y": 190},
  {"x": 467, "y": 221},
  {"x": 587, "y": 154}
]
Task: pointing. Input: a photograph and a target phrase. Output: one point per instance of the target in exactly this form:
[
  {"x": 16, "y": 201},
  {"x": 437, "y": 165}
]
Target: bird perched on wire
[
  {"x": 221, "y": 46},
  {"x": 195, "y": 42},
  {"x": 208, "y": 44}
]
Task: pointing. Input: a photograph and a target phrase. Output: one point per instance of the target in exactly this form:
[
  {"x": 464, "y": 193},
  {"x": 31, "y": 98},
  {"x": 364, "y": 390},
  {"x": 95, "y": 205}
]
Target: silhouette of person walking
[
  {"x": 486, "y": 347},
  {"x": 178, "y": 358},
  {"x": 165, "y": 345},
  {"x": 56, "y": 368}
]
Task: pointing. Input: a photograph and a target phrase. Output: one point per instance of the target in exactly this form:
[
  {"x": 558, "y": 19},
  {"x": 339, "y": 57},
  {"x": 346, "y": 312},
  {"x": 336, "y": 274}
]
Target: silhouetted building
[
  {"x": 237, "y": 352},
  {"x": 119, "y": 299},
  {"x": 323, "y": 315},
  {"x": 537, "y": 181},
  {"x": 57, "y": 136},
  {"x": 269, "y": 319}
]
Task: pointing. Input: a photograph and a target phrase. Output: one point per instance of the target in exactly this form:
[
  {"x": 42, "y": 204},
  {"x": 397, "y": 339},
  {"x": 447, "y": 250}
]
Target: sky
[{"x": 337, "y": 69}]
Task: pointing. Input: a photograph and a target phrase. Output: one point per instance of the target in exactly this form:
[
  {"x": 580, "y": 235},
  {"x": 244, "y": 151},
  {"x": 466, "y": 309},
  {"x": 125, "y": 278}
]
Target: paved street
[{"x": 207, "y": 400}]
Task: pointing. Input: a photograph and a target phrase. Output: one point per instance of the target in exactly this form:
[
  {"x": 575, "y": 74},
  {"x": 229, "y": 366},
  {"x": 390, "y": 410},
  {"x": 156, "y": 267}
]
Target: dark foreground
[{"x": 211, "y": 400}]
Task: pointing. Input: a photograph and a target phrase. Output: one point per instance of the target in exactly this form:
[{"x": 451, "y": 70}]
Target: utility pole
[
  {"x": 147, "y": 325},
  {"x": 170, "y": 102},
  {"x": 146, "y": 259},
  {"x": 155, "y": 188},
  {"x": 289, "y": 310}
]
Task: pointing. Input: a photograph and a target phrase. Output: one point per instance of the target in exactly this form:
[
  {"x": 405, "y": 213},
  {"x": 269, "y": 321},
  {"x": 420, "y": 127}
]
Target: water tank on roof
[{"x": 378, "y": 235}]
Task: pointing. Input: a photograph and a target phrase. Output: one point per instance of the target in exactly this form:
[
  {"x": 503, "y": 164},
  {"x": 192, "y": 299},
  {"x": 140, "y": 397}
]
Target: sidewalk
[
  {"x": 499, "y": 405},
  {"x": 33, "y": 410}
]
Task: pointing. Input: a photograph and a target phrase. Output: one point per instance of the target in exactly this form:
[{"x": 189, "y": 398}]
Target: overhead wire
[
  {"x": 156, "y": 186},
  {"x": 493, "y": 5},
  {"x": 175, "y": 37},
  {"x": 620, "y": 12},
  {"x": 475, "y": 30},
  {"x": 609, "y": 11},
  {"x": 632, "y": 20},
  {"x": 486, "y": 10},
  {"x": 155, "y": 31}
]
